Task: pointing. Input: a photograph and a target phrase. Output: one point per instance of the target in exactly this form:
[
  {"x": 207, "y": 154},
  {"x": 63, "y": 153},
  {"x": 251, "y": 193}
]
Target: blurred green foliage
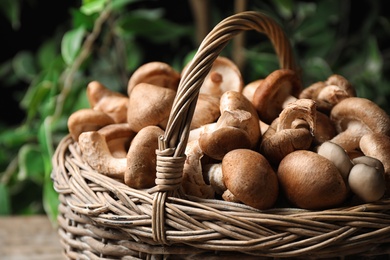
[{"x": 106, "y": 40}]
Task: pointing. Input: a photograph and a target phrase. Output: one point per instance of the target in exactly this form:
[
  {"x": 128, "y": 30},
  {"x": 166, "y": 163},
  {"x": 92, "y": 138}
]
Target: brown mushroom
[
  {"x": 96, "y": 153},
  {"x": 235, "y": 101},
  {"x": 325, "y": 129},
  {"x": 327, "y": 94},
  {"x": 311, "y": 181},
  {"x": 223, "y": 76},
  {"x": 110, "y": 102},
  {"x": 118, "y": 138},
  {"x": 141, "y": 158},
  {"x": 292, "y": 130},
  {"x": 273, "y": 94},
  {"x": 249, "y": 177},
  {"x": 206, "y": 111},
  {"x": 237, "y": 127},
  {"x": 87, "y": 119},
  {"x": 155, "y": 73},
  {"x": 249, "y": 89},
  {"x": 149, "y": 105},
  {"x": 354, "y": 117},
  {"x": 378, "y": 146}
]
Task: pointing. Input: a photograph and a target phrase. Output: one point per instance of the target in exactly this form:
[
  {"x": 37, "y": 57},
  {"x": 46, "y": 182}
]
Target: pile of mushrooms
[{"x": 267, "y": 142}]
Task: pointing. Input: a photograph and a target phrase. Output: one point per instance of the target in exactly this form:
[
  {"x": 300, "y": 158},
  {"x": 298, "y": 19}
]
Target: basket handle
[{"x": 170, "y": 156}]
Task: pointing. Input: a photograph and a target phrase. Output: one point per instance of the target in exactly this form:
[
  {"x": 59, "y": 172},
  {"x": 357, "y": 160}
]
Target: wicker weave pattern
[{"x": 102, "y": 218}]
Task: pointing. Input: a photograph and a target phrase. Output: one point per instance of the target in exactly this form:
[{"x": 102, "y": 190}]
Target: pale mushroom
[
  {"x": 337, "y": 155},
  {"x": 155, "y": 73},
  {"x": 110, "y": 102},
  {"x": 367, "y": 182},
  {"x": 354, "y": 117},
  {"x": 212, "y": 173},
  {"x": 141, "y": 158},
  {"x": 278, "y": 89},
  {"x": 87, "y": 119},
  {"x": 292, "y": 130},
  {"x": 249, "y": 177},
  {"x": 311, "y": 181},
  {"x": 149, "y": 105}
]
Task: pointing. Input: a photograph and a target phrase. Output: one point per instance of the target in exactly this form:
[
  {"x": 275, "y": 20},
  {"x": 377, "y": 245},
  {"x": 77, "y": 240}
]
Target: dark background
[{"x": 40, "y": 19}]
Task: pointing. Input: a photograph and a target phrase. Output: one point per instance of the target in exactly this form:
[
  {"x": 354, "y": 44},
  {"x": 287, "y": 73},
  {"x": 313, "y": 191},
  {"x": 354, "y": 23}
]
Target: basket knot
[{"x": 169, "y": 171}]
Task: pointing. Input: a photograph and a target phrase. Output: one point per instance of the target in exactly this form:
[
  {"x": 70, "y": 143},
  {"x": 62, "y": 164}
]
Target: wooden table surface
[{"x": 29, "y": 237}]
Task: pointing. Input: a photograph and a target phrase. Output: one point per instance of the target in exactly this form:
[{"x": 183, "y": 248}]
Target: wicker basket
[{"x": 101, "y": 218}]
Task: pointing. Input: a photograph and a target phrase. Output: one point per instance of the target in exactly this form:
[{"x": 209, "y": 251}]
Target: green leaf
[
  {"x": 5, "y": 205},
  {"x": 50, "y": 201},
  {"x": 36, "y": 96},
  {"x": 374, "y": 62},
  {"x": 24, "y": 65},
  {"x": 120, "y": 4},
  {"x": 285, "y": 7},
  {"x": 71, "y": 44},
  {"x": 11, "y": 10},
  {"x": 31, "y": 163},
  {"x": 49, "y": 57},
  {"x": 15, "y": 137},
  {"x": 157, "y": 30},
  {"x": 93, "y": 6}
]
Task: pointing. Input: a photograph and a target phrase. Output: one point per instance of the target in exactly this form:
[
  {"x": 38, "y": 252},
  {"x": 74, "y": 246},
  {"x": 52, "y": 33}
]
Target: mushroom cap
[
  {"x": 370, "y": 161},
  {"x": 149, "y": 105},
  {"x": 325, "y": 129},
  {"x": 243, "y": 113},
  {"x": 219, "y": 142},
  {"x": 367, "y": 182},
  {"x": 292, "y": 130},
  {"x": 337, "y": 155},
  {"x": 206, "y": 111},
  {"x": 353, "y": 117},
  {"x": 224, "y": 75},
  {"x": 249, "y": 89},
  {"x": 250, "y": 178},
  {"x": 156, "y": 73},
  {"x": 110, "y": 102},
  {"x": 327, "y": 94},
  {"x": 276, "y": 146},
  {"x": 118, "y": 138},
  {"x": 141, "y": 158},
  {"x": 87, "y": 119},
  {"x": 273, "y": 91},
  {"x": 311, "y": 181},
  {"x": 342, "y": 83}
]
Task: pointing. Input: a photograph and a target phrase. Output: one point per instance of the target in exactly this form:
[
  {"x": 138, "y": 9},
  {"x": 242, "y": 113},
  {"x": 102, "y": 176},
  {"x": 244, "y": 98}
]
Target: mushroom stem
[{"x": 96, "y": 153}]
